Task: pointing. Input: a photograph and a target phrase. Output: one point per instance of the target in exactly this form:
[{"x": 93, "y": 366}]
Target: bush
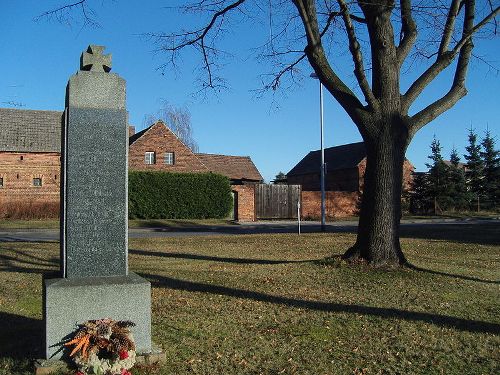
[
  {"x": 162, "y": 195},
  {"x": 29, "y": 209}
]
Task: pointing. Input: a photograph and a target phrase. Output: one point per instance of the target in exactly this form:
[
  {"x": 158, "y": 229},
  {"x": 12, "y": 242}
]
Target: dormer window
[
  {"x": 169, "y": 158},
  {"x": 150, "y": 157}
]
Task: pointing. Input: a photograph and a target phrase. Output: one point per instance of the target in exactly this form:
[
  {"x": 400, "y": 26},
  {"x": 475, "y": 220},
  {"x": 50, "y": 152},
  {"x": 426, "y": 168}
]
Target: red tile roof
[{"x": 234, "y": 167}]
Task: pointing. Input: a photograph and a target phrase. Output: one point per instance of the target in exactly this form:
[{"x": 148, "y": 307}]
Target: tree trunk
[{"x": 378, "y": 231}]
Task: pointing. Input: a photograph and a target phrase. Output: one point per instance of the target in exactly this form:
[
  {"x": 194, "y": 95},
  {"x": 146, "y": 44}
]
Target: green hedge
[{"x": 162, "y": 195}]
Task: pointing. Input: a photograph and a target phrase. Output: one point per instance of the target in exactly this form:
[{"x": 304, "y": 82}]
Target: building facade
[
  {"x": 30, "y": 163},
  {"x": 344, "y": 179}
]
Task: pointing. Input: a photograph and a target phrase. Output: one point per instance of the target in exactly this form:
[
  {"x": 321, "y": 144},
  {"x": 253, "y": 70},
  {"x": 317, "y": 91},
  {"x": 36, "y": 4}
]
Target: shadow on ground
[
  {"x": 461, "y": 277},
  {"x": 482, "y": 233},
  {"x": 212, "y": 258},
  {"x": 20, "y": 337},
  {"x": 388, "y": 313},
  {"x": 16, "y": 260}
]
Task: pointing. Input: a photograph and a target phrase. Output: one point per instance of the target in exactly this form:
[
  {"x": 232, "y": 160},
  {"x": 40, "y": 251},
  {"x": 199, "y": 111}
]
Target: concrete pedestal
[{"x": 69, "y": 302}]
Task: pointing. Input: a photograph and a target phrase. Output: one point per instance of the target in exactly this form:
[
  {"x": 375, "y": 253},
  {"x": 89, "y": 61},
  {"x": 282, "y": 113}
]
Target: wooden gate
[{"x": 276, "y": 201}]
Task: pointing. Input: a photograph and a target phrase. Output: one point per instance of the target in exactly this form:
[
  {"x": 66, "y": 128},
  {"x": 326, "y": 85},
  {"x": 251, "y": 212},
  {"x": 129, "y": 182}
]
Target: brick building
[
  {"x": 30, "y": 144},
  {"x": 30, "y": 165},
  {"x": 344, "y": 179},
  {"x": 157, "y": 148}
]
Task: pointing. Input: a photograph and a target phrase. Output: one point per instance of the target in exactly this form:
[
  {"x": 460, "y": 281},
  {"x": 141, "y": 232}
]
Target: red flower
[
  {"x": 125, "y": 372},
  {"x": 79, "y": 373},
  {"x": 124, "y": 355}
]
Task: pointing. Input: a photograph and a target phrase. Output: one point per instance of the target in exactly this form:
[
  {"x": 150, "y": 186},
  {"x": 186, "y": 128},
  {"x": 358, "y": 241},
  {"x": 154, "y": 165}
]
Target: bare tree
[
  {"x": 383, "y": 38},
  {"x": 380, "y": 109},
  {"x": 178, "y": 119}
]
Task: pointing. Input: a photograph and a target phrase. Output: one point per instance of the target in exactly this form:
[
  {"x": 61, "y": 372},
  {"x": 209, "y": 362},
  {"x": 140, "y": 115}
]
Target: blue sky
[{"x": 37, "y": 59}]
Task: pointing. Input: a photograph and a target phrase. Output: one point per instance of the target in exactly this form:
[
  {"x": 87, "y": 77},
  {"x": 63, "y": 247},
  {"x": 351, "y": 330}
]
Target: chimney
[{"x": 131, "y": 130}]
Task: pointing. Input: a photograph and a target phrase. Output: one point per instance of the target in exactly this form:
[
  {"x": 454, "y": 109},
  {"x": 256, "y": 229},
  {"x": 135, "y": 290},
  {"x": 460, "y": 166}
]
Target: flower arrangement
[{"x": 103, "y": 347}]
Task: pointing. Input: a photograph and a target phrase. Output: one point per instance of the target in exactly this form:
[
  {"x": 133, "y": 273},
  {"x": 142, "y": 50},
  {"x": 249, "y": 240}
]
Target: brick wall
[
  {"x": 161, "y": 140},
  {"x": 408, "y": 169},
  {"x": 17, "y": 170},
  {"x": 246, "y": 202},
  {"x": 338, "y": 204}
]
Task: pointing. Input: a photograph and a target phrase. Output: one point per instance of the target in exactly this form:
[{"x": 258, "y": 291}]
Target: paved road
[{"x": 52, "y": 235}]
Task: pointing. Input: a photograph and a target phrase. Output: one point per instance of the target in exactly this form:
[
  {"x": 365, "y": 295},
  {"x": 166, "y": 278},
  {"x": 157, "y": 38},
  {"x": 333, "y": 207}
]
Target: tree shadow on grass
[
  {"x": 388, "y": 313},
  {"x": 462, "y": 277},
  {"x": 20, "y": 337},
  {"x": 213, "y": 258},
  {"x": 484, "y": 233},
  {"x": 25, "y": 262}
]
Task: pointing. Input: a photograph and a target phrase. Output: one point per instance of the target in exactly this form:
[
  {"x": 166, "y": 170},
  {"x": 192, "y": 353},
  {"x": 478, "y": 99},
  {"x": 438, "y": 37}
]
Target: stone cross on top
[{"x": 94, "y": 60}]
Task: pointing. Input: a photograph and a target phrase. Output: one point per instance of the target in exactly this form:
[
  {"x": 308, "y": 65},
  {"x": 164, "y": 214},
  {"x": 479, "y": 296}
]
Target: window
[
  {"x": 169, "y": 158},
  {"x": 149, "y": 157},
  {"x": 37, "y": 181},
  {"x": 1, "y": 182}
]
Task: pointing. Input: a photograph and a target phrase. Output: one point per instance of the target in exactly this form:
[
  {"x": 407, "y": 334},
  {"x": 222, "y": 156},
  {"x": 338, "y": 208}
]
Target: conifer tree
[
  {"x": 458, "y": 185},
  {"x": 475, "y": 167},
  {"x": 438, "y": 178},
  {"x": 491, "y": 162},
  {"x": 420, "y": 202}
]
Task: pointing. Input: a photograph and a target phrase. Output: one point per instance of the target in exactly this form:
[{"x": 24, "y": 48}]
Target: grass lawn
[
  {"x": 6, "y": 224},
  {"x": 281, "y": 304}
]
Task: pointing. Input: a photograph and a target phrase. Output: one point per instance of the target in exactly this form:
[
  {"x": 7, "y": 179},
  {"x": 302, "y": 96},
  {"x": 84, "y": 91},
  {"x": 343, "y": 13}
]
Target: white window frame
[
  {"x": 169, "y": 158},
  {"x": 150, "y": 158}
]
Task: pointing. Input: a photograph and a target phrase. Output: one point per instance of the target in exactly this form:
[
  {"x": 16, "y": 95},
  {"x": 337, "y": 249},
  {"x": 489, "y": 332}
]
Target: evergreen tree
[
  {"x": 491, "y": 162},
  {"x": 458, "y": 185},
  {"x": 420, "y": 202},
  {"x": 438, "y": 184},
  {"x": 475, "y": 167},
  {"x": 280, "y": 178}
]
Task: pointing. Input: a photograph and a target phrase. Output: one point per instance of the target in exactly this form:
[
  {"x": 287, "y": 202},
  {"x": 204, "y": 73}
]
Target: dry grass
[
  {"x": 281, "y": 304},
  {"x": 28, "y": 210}
]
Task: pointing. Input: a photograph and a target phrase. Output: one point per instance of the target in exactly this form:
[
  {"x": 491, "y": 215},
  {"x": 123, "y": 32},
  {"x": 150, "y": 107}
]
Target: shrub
[
  {"x": 26, "y": 210},
  {"x": 162, "y": 195}
]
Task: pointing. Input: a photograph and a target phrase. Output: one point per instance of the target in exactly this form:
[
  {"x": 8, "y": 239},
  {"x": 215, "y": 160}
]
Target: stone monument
[{"x": 94, "y": 281}]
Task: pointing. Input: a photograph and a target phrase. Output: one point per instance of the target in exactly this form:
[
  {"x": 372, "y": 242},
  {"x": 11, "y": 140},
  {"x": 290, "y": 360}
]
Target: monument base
[
  {"x": 69, "y": 302},
  {"x": 142, "y": 360}
]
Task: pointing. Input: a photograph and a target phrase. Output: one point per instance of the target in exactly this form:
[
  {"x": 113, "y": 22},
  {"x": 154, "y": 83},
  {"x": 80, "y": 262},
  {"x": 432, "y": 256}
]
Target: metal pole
[
  {"x": 298, "y": 214},
  {"x": 323, "y": 208},
  {"x": 322, "y": 166}
]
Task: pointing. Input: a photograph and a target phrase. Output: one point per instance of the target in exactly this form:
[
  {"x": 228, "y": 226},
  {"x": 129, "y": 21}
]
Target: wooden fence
[{"x": 276, "y": 201}]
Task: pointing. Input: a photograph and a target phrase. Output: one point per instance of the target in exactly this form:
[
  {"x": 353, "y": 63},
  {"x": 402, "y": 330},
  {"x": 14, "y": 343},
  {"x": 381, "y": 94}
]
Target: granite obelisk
[{"x": 94, "y": 281}]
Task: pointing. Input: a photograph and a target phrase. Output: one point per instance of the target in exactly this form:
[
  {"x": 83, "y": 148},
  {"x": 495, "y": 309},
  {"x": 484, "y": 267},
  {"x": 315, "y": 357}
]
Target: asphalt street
[{"x": 52, "y": 235}]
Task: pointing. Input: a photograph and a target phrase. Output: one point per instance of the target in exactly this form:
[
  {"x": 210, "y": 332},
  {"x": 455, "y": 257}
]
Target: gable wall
[
  {"x": 18, "y": 193},
  {"x": 160, "y": 140},
  {"x": 336, "y": 180}
]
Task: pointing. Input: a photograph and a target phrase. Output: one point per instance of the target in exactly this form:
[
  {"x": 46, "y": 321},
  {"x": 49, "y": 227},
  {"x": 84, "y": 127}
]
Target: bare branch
[
  {"x": 408, "y": 32},
  {"x": 198, "y": 38},
  {"x": 466, "y": 36},
  {"x": 13, "y": 103},
  {"x": 357, "y": 56},
  {"x": 359, "y": 19},
  {"x": 449, "y": 26},
  {"x": 444, "y": 59},
  {"x": 275, "y": 83},
  {"x": 317, "y": 58},
  {"x": 458, "y": 89},
  {"x": 63, "y": 13}
]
